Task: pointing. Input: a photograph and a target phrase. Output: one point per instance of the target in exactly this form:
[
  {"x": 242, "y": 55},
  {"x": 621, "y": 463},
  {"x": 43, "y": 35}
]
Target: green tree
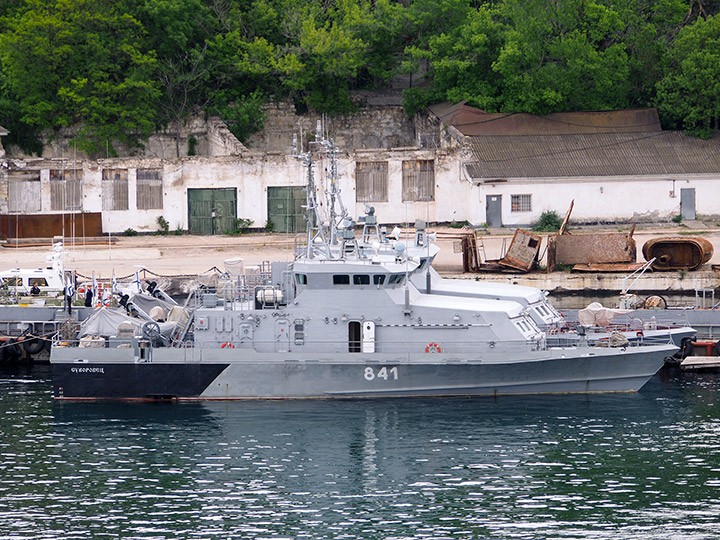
[
  {"x": 688, "y": 95},
  {"x": 174, "y": 27},
  {"x": 21, "y": 134},
  {"x": 562, "y": 56},
  {"x": 650, "y": 26},
  {"x": 244, "y": 76},
  {"x": 178, "y": 32},
  {"x": 319, "y": 67},
  {"x": 434, "y": 17},
  {"x": 461, "y": 64},
  {"x": 80, "y": 63},
  {"x": 383, "y": 27}
]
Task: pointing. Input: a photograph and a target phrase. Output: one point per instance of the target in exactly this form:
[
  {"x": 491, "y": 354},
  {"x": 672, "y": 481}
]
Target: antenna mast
[{"x": 312, "y": 209}]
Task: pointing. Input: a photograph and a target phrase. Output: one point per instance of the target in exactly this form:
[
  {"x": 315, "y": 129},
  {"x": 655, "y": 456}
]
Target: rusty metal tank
[{"x": 684, "y": 253}]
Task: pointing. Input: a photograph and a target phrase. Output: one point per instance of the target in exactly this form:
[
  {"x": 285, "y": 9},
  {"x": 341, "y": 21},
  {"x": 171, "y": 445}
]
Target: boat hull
[{"x": 79, "y": 374}]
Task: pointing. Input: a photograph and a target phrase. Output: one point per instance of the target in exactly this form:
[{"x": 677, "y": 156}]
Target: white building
[
  {"x": 465, "y": 165},
  {"x": 616, "y": 165}
]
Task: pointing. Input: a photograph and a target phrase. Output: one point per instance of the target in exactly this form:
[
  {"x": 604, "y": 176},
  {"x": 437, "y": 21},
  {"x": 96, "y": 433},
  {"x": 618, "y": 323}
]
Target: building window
[
  {"x": 521, "y": 203},
  {"x": 419, "y": 180},
  {"x": 115, "y": 189},
  {"x": 149, "y": 189},
  {"x": 371, "y": 181},
  {"x": 24, "y": 194},
  {"x": 66, "y": 189}
]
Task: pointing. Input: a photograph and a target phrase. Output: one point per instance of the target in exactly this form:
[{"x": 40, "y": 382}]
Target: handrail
[{"x": 642, "y": 270}]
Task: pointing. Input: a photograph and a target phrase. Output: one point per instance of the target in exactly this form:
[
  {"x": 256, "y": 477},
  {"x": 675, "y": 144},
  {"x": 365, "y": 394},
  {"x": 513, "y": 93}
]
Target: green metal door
[
  {"x": 225, "y": 208},
  {"x": 212, "y": 211},
  {"x": 285, "y": 209}
]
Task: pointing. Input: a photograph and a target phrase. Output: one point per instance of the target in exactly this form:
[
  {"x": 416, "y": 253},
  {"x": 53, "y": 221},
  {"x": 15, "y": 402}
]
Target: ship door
[
  {"x": 687, "y": 204},
  {"x": 368, "y": 337},
  {"x": 354, "y": 336},
  {"x": 282, "y": 336},
  {"x": 493, "y": 210}
]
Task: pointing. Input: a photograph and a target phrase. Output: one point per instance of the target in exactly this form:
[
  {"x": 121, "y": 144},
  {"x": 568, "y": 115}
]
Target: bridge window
[
  {"x": 361, "y": 279},
  {"x": 378, "y": 279},
  {"x": 341, "y": 279}
]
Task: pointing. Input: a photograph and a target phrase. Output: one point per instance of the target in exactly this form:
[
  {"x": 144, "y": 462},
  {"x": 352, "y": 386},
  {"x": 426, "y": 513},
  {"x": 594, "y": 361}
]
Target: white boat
[{"x": 48, "y": 281}]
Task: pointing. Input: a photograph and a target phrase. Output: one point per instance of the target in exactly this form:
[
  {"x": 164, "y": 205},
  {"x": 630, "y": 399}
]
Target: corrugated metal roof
[
  {"x": 600, "y": 154},
  {"x": 471, "y": 121}
]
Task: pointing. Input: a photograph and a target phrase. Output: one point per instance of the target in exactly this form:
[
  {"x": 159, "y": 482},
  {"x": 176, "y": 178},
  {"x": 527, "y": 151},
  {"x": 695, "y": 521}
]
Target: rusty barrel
[{"x": 688, "y": 253}]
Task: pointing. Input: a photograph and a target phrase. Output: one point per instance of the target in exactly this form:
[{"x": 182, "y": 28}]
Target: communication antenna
[{"x": 312, "y": 211}]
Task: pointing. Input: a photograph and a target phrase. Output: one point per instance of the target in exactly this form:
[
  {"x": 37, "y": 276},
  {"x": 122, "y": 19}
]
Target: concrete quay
[{"x": 172, "y": 255}]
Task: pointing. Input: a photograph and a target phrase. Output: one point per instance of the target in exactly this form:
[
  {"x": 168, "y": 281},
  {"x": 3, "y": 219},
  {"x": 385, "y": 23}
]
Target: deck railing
[{"x": 448, "y": 348}]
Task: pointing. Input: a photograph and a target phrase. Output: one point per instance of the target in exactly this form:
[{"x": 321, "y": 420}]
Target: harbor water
[{"x": 643, "y": 465}]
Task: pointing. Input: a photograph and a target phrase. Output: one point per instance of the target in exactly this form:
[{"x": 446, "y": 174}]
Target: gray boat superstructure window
[
  {"x": 361, "y": 279},
  {"x": 543, "y": 311},
  {"x": 299, "y": 326},
  {"x": 526, "y": 327},
  {"x": 301, "y": 279}
]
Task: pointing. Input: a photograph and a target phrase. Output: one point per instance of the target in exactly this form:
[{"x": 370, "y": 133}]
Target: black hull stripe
[{"x": 133, "y": 381}]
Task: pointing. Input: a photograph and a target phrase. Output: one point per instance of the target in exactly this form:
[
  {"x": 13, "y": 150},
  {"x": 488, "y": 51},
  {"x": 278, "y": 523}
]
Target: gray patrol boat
[{"x": 342, "y": 320}]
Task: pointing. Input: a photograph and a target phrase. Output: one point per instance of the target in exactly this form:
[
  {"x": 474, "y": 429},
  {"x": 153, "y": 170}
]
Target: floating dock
[{"x": 700, "y": 363}]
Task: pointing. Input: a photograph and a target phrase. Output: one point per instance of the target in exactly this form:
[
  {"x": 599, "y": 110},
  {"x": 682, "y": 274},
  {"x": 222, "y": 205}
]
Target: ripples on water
[{"x": 641, "y": 465}]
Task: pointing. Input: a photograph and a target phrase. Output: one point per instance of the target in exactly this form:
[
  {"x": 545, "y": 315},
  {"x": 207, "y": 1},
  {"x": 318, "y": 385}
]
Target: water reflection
[{"x": 632, "y": 465}]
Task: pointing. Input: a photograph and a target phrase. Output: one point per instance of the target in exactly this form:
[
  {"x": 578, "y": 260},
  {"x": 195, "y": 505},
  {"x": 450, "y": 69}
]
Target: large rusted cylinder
[{"x": 678, "y": 253}]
